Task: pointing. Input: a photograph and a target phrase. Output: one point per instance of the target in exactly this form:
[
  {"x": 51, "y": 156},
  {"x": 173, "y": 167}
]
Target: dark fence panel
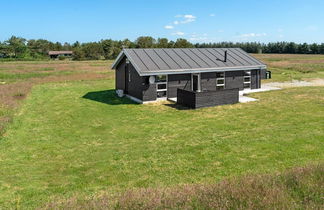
[
  {"x": 195, "y": 100},
  {"x": 186, "y": 98}
]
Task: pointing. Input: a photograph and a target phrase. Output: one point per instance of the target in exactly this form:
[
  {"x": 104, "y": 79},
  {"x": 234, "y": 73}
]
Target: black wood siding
[
  {"x": 208, "y": 81},
  {"x": 255, "y": 79},
  {"x": 176, "y": 81},
  {"x": 135, "y": 84},
  {"x": 234, "y": 79},
  {"x": 207, "y": 98},
  {"x": 263, "y": 74},
  {"x": 120, "y": 76},
  {"x": 254, "y": 82},
  {"x": 259, "y": 79},
  {"x": 138, "y": 86},
  {"x": 149, "y": 90}
]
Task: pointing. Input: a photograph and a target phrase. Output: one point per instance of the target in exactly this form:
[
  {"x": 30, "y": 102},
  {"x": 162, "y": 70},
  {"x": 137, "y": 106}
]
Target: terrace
[
  {"x": 195, "y": 99},
  {"x": 201, "y": 99}
]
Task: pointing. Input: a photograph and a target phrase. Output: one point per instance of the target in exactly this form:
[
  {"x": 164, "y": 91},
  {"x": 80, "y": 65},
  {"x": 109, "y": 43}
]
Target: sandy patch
[{"x": 297, "y": 83}]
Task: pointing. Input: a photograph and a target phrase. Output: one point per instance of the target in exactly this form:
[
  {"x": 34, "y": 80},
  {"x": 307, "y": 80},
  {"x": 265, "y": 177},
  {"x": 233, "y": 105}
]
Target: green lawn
[{"x": 77, "y": 138}]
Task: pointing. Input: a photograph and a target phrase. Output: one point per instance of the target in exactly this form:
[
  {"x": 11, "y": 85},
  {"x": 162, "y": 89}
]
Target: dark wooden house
[
  {"x": 56, "y": 54},
  {"x": 193, "y": 77}
]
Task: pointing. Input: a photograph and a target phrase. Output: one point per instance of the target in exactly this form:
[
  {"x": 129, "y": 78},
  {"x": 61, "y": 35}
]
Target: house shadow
[
  {"x": 177, "y": 106},
  {"x": 108, "y": 97}
]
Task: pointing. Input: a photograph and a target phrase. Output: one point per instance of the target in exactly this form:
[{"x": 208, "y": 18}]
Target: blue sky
[{"x": 195, "y": 20}]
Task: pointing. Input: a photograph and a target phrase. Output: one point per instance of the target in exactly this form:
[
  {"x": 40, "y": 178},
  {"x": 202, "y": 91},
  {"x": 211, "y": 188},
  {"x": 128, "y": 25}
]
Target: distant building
[{"x": 56, "y": 54}]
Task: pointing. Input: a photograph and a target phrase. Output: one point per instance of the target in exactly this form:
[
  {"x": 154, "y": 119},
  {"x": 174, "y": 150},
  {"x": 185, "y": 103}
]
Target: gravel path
[{"x": 295, "y": 83}]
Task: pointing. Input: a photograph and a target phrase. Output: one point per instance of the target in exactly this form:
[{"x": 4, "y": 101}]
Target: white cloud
[
  {"x": 168, "y": 27},
  {"x": 198, "y": 37},
  {"x": 178, "y": 33},
  {"x": 212, "y": 15},
  {"x": 220, "y": 31},
  {"x": 189, "y": 17},
  {"x": 249, "y": 36},
  {"x": 184, "y": 19},
  {"x": 252, "y": 35}
]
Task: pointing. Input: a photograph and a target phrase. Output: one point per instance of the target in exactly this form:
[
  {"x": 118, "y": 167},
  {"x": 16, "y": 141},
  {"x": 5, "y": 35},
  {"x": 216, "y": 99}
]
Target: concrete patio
[
  {"x": 264, "y": 88},
  {"x": 244, "y": 99}
]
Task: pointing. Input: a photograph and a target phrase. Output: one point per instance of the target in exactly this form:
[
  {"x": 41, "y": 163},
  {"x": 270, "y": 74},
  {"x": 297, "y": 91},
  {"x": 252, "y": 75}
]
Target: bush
[{"x": 61, "y": 57}]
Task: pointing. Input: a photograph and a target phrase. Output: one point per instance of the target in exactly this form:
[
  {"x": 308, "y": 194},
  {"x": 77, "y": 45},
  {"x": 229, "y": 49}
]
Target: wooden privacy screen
[{"x": 195, "y": 100}]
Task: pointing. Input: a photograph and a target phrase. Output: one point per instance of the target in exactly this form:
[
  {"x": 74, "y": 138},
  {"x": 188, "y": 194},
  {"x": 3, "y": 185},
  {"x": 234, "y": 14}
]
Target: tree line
[{"x": 18, "y": 48}]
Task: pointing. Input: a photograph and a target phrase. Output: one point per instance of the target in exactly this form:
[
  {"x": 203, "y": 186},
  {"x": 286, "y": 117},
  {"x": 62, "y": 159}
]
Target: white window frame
[
  {"x": 247, "y": 76},
  {"x": 199, "y": 81},
  {"x": 219, "y": 79},
  {"x": 166, "y": 86}
]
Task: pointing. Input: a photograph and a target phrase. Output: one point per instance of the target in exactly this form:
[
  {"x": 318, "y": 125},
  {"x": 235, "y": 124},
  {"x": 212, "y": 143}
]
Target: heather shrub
[
  {"x": 298, "y": 188},
  {"x": 61, "y": 57}
]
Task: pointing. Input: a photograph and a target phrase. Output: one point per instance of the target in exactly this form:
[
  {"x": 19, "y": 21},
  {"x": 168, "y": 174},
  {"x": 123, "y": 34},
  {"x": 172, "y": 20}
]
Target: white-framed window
[
  {"x": 220, "y": 80},
  {"x": 161, "y": 82},
  {"x": 247, "y": 79}
]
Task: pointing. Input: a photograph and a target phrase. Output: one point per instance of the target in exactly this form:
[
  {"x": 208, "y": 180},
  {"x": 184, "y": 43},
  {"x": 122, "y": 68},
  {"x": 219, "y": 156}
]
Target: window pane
[
  {"x": 220, "y": 74},
  {"x": 247, "y": 73},
  {"x": 161, "y": 94},
  {"x": 161, "y": 78},
  {"x": 220, "y": 88},
  {"x": 247, "y": 79},
  {"x": 161, "y": 86},
  {"x": 220, "y": 81}
]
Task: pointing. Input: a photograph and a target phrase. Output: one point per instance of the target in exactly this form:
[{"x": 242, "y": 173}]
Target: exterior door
[
  {"x": 127, "y": 78},
  {"x": 195, "y": 81}
]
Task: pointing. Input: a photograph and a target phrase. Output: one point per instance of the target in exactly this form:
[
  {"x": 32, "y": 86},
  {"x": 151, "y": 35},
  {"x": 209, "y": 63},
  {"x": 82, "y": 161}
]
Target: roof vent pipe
[{"x": 225, "y": 56}]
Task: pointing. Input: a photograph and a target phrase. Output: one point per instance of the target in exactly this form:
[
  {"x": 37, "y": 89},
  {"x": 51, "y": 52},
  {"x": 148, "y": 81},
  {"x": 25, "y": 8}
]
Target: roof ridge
[{"x": 182, "y": 48}]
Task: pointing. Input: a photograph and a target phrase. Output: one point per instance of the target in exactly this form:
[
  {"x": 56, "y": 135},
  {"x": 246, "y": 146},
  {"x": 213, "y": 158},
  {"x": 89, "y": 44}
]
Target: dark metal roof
[{"x": 188, "y": 60}]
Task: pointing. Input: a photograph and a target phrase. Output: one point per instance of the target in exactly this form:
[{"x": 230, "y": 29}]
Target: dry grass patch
[
  {"x": 293, "y": 66},
  {"x": 301, "y": 187},
  {"x": 18, "y": 78}
]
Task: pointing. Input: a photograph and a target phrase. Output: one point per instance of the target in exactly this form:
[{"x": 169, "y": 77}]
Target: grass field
[
  {"x": 17, "y": 79},
  {"x": 293, "y": 67},
  {"x": 72, "y": 136}
]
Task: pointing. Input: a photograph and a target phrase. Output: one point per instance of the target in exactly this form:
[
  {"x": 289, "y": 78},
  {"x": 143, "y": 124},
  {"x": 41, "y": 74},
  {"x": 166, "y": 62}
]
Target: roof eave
[{"x": 201, "y": 70}]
